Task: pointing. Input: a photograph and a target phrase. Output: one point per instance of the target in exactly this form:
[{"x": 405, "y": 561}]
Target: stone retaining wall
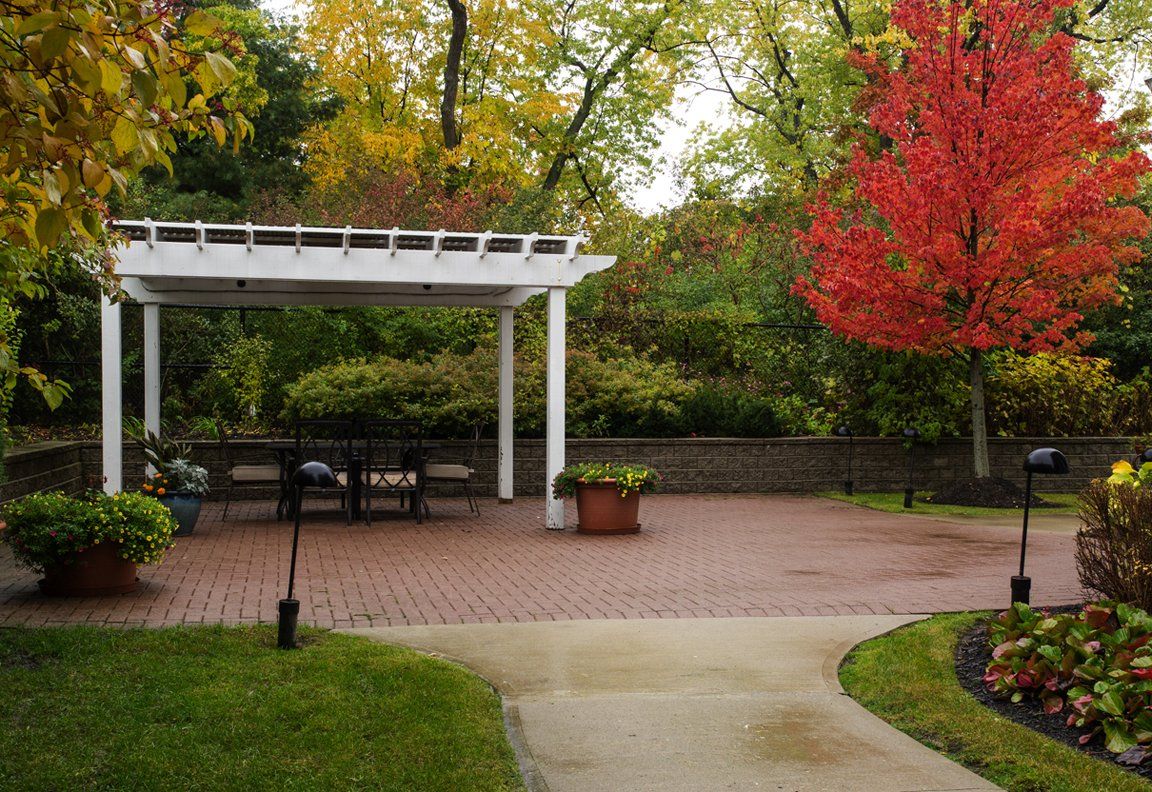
[{"x": 690, "y": 465}]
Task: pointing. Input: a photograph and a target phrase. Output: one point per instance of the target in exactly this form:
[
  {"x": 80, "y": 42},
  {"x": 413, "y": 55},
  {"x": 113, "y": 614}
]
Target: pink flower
[{"x": 51, "y": 533}]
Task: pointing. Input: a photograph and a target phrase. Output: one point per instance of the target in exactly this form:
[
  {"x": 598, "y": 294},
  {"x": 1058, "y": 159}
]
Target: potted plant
[
  {"x": 90, "y": 545},
  {"x": 177, "y": 483},
  {"x": 607, "y": 494}
]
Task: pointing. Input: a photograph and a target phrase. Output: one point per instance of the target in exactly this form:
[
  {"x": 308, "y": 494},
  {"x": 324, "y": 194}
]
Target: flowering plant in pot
[
  {"x": 177, "y": 483},
  {"x": 87, "y": 545},
  {"x": 607, "y": 494}
]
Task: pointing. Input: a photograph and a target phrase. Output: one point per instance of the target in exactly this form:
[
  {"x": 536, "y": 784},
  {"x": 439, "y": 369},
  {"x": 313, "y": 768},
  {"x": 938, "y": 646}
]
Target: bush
[
  {"x": 627, "y": 397},
  {"x": 1098, "y": 663},
  {"x": 1052, "y": 396},
  {"x": 1114, "y": 545},
  {"x": 722, "y": 410}
]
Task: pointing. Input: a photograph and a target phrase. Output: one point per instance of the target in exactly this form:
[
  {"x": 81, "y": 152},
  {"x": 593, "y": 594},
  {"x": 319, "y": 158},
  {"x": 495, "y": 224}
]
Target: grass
[
  {"x": 218, "y": 708},
  {"x": 908, "y": 679},
  {"x": 894, "y": 502}
]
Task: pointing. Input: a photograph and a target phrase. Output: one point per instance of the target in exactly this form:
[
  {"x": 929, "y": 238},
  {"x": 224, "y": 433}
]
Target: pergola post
[
  {"x": 111, "y": 396},
  {"x": 555, "y": 433},
  {"x": 505, "y": 487},
  {"x": 152, "y": 370}
]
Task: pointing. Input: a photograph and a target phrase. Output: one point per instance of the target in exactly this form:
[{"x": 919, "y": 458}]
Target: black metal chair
[
  {"x": 393, "y": 464},
  {"x": 459, "y": 474},
  {"x": 256, "y": 476},
  {"x": 330, "y": 442}
]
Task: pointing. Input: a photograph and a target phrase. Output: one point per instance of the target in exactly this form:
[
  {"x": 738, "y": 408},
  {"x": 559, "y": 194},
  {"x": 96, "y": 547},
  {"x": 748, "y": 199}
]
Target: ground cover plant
[
  {"x": 1096, "y": 665},
  {"x": 221, "y": 708},
  {"x": 925, "y": 700},
  {"x": 1061, "y": 503}
]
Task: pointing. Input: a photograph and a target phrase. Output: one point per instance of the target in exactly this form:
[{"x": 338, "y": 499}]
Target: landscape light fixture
[
  {"x": 1047, "y": 461},
  {"x": 310, "y": 474},
  {"x": 846, "y": 431},
  {"x": 1144, "y": 456},
  {"x": 910, "y": 435}
]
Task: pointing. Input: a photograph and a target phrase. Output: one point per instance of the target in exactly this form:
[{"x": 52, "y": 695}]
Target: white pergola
[{"x": 209, "y": 264}]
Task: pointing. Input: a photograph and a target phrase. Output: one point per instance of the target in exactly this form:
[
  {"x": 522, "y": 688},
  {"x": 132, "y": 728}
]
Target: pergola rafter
[{"x": 213, "y": 264}]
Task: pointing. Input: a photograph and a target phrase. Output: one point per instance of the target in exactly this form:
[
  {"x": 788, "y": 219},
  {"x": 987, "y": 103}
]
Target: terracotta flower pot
[
  {"x": 95, "y": 572},
  {"x": 601, "y": 510}
]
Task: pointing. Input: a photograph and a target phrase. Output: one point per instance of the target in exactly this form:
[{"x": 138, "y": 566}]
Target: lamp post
[
  {"x": 910, "y": 435},
  {"x": 310, "y": 474},
  {"x": 1048, "y": 461},
  {"x": 845, "y": 431}
]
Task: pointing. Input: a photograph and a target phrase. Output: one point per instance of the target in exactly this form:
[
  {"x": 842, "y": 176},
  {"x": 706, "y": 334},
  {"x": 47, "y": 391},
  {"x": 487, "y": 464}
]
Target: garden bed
[
  {"x": 908, "y": 678},
  {"x": 972, "y": 657}
]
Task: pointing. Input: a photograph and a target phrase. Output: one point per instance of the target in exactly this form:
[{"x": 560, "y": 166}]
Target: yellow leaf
[
  {"x": 37, "y": 22},
  {"x": 50, "y": 224},
  {"x": 110, "y": 78},
  {"x": 93, "y": 173},
  {"x": 1123, "y": 466},
  {"x": 124, "y": 135},
  {"x": 201, "y": 24}
]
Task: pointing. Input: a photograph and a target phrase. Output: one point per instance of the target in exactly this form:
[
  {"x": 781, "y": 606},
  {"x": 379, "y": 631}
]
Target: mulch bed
[
  {"x": 991, "y": 492},
  {"x": 972, "y": 657}
]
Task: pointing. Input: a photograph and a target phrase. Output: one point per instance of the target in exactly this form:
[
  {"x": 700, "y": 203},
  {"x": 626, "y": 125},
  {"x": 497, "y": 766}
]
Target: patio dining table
[{"x": 285, "y": 453}]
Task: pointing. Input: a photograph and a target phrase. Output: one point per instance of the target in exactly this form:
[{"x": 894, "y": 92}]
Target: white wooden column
[
  {"x": 111, "y": 396},
  {"x": 152, "y": 368},
  {"x": 505, "y": 427},
  {"x": 555, "y": 443}
]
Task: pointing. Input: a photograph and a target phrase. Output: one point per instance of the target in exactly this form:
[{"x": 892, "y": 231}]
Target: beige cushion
[
  {"x": 256, "y": 473},
  {"x": 448, "y": 472}
]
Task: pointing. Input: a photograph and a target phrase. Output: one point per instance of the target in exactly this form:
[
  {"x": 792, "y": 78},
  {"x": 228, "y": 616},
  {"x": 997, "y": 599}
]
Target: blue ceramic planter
[{"x": 185, "y": 508}]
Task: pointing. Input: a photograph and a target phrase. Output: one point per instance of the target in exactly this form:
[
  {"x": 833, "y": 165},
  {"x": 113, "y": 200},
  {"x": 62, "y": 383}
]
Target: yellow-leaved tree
[{"x": 91, "y": 91}]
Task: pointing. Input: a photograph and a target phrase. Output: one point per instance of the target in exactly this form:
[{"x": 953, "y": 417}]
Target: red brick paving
[{"x": 697, "y": 556}]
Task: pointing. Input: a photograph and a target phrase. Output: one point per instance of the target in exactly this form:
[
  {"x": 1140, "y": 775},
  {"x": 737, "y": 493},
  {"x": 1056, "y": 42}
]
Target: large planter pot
[
  {"x": 95, "y": 572},
  {"x": 185, "y": 508},
  {"x": 601, "y": 510}
]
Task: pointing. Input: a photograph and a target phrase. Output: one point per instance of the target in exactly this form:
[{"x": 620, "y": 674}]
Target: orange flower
[
  {"x": 157, "y": 475},
  {"x": 147, "y": 487},
  {"x": 160, "y": 491}
]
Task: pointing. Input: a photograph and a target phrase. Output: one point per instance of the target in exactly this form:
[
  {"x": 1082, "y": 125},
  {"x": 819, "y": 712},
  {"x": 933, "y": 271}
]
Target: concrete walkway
[{"x": 689, "y": 704}]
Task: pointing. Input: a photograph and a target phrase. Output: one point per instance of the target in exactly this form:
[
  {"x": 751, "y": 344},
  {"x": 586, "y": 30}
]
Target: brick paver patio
[{"x": 698, "y": 556}]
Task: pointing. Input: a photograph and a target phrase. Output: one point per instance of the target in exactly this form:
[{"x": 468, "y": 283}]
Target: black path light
[
  {"x": 910, "y": 435},
  {"x": 1047, "y": 461},
  {"x": 846, "y": 431},
  {"x": 310, "y": 474},
  {"x": 1145, "y": 456}
]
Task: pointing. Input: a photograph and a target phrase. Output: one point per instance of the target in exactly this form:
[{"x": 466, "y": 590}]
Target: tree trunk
[
  {"x": 452, "y": 75},
  {"x": 979, "y": 428}
]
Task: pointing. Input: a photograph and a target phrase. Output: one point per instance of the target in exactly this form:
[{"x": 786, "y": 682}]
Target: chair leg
[
  {"x": 473, "y": 504},
  {"x": 227, "y": 500}
]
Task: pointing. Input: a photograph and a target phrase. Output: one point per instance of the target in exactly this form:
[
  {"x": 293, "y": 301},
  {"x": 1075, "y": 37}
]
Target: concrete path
[{"x": 689, "y": 704}]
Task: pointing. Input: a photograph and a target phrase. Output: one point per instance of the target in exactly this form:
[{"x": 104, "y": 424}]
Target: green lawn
[
  {"x": 908, "y": 679},
  {"x": 219, "y": 708},
  {"x": 894, "y": 502}
]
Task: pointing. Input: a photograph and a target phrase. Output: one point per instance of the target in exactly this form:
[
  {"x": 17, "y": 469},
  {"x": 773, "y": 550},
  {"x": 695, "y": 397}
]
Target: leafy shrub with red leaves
[{"x": 1097, "y": 664}]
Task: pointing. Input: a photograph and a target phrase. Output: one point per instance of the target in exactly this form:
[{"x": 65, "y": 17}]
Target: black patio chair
[
  {"x": 393, "y": 464},
  {"x": 247, "y": 475},
  {"x": 331, "y": 442},
  {"x": 460, "y": 473}
]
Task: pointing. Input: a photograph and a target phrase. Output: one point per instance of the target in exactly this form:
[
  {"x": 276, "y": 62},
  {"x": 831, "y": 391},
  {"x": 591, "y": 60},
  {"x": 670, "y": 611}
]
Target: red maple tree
[{"x": 991, "y": 220}]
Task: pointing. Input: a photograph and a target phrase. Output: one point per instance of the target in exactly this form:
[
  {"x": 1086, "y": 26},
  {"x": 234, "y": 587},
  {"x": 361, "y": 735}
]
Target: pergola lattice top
[{"x": 292, "y": 265}]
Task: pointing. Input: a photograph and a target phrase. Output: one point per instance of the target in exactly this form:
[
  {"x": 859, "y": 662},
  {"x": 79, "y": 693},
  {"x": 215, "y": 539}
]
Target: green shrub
[
  {"x": 723, "y": 410},
  {"x": 627, "y": 397},
  {"x": 1097, "y": 663},
  {"x": 1052, "y": 396}
]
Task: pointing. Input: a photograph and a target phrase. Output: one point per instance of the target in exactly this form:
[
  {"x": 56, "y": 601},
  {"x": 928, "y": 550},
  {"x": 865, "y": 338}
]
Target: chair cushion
[
  {"x": 256, "y": 473},
  {"x": 448, "y": 472}
]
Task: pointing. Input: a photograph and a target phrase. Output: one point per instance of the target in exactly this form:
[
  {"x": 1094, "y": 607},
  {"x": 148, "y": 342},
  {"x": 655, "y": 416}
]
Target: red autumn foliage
[{"x": 992, "y": 221}]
